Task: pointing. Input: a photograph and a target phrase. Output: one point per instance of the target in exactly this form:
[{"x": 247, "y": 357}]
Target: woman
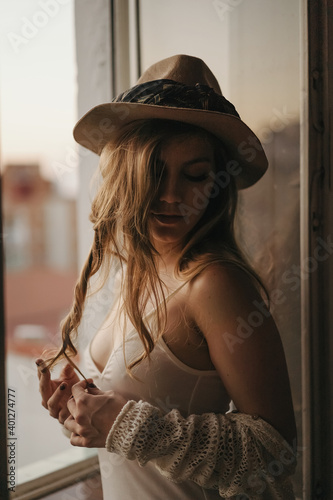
[{"x": 179, "y": 342}]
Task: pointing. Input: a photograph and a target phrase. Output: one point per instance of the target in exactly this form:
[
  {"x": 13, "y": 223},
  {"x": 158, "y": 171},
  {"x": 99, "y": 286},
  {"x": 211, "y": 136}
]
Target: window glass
[
  {"x": 38, "y": 161},
  {"x": 253, "y": 48}
]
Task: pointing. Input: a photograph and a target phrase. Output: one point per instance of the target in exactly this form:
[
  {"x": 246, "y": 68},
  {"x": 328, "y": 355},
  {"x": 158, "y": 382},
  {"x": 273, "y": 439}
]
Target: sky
[{"x": 38, "y": 87}]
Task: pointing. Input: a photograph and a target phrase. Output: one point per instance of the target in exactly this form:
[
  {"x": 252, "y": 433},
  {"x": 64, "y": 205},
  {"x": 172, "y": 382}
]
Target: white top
[{"x": 167, "y": 383}]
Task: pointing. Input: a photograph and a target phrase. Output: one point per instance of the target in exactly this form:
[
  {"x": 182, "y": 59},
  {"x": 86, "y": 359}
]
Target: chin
[{"x": 160, "y": 238}]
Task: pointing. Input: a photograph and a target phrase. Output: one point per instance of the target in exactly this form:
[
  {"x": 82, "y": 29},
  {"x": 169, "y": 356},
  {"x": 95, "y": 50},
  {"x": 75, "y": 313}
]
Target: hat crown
[
  {"x": 184, "y": 69},
  {"x": 180, "y": 88}
]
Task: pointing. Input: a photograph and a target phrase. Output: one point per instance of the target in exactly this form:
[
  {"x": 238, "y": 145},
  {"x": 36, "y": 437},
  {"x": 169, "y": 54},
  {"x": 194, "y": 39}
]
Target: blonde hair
[{"x": 120, "y": 215}]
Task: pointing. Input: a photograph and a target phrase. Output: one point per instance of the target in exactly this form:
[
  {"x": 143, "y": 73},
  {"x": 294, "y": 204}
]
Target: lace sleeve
[{"x": 240, "y": 455}]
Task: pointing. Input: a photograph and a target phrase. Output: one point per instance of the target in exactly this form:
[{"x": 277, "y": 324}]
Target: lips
[{"x": 167, "y": 218}]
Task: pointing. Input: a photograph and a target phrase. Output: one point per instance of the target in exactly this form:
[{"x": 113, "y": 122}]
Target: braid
[{"x": 72, "y": 321}]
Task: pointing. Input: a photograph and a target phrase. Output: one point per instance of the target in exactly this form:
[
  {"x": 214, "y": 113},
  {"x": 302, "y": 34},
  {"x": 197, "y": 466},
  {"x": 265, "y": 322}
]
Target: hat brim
[{"x": 97, "y": 127}]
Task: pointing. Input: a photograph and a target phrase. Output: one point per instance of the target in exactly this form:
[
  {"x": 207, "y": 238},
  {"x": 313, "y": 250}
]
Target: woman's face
[{"x": 187, "y": 165}]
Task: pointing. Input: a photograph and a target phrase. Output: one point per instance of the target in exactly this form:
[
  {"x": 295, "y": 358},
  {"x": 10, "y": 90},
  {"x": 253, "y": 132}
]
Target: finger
[
  {"x": 45, "y": 386},
  {"x": 80, "y": 441},
  {"x": 78, "y": 408},
  {"x": 78, "y": 400},
  {"x": 79, "y": 435},
  {"x": 82, "y": 387},
  {"x": 68, "y": 372},
  {"x": 71, "y": 425},
  {"x": 63, "y": 415},
  {"x": 39, "y": 362},
  {"x": 59, "y": 400},
  {"x": 91, "y": 387},
  {"x": 78, "y": 390},
  {"x": 71, "y": 405},
  {"x": 76, "y": 440}
]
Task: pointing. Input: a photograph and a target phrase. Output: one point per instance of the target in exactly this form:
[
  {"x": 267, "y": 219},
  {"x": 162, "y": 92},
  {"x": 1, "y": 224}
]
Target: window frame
[
  {"x": 57, "y": 472},
  {"x": 317, "y": 208}
]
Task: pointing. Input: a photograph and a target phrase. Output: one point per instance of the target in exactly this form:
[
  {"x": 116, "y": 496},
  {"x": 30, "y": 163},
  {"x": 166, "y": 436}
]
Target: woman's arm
[
  {"x": 241, "y": 456},
  {"x": 244, "y": 345}
]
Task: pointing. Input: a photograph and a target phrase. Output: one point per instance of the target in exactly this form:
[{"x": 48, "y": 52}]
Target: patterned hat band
[
  {"x": 172, "y": 94},
  {"x": 179, "y": 88}
]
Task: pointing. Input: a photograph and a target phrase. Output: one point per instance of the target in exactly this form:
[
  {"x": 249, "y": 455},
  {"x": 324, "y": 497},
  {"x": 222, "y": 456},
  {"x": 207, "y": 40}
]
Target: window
[{"x": 39, "y": 200}]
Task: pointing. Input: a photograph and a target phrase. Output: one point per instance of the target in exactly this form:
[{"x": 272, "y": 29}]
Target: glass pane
[
  {"x": 38, "y": 109},
  {"x": 253, "y": 48}
]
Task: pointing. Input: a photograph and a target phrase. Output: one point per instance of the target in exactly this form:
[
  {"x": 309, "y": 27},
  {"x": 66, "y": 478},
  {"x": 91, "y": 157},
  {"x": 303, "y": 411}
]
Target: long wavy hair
[{"x": 130, "y": 176}]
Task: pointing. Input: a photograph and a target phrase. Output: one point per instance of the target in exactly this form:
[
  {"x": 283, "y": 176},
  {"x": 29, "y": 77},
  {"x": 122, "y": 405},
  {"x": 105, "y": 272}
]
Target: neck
[{"x": 167, "y": 259}]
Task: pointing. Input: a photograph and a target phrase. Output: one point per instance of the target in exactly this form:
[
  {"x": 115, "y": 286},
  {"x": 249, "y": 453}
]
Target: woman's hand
[
  {"x": 92, "y": 414},
  {"x": 56, "y": 393}
]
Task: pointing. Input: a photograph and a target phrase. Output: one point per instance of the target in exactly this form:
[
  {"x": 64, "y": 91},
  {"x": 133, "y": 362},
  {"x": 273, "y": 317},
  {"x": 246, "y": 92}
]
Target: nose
[{"x": 169, "y": 190}]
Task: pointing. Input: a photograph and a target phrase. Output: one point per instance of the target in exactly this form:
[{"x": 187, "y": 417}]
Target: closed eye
[{"x": 196, "y": 178}]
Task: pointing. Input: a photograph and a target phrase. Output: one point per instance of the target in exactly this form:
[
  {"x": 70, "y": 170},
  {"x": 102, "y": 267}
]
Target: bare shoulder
[
  {"x": 225, "y": 287},
  {"x": 226, "y": 305}
]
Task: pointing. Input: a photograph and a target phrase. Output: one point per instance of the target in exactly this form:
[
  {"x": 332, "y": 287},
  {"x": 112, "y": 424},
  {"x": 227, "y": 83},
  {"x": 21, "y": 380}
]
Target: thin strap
[
  {"x": 146, "y": 316},
  {"x": 177, "y": 289},
  {"x": 166, "y": 299},
  {"x": 154, "y": 309}
]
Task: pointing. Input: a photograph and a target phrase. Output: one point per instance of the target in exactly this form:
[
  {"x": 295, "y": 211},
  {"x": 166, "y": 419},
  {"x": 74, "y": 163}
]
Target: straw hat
[{"x": 180, "y": 88}]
